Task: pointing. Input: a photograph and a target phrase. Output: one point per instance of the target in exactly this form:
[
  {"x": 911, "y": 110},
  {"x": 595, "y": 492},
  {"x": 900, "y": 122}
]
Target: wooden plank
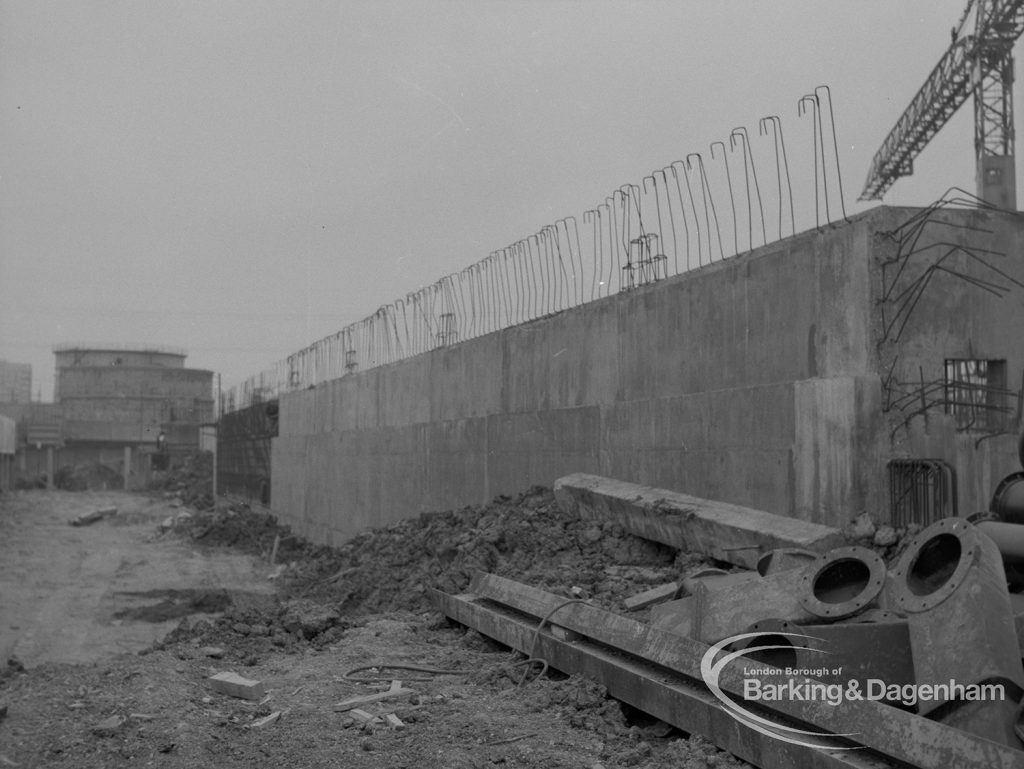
[
  {"x": 730, "y": 533},
  {"x": 654, "y": 595},
  {"x": 363, "y": 717},
  {"x": 670, "y": 697},
  {"x": 368, "y": 699},
  {"x": 903, "y": 736}
]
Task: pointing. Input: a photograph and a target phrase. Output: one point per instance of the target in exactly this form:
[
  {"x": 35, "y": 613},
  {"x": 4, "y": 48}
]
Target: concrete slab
[{"x": 731, "y": 533}]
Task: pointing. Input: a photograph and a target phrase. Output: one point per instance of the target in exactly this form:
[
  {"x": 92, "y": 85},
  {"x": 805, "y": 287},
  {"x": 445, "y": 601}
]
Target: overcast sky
[{"x": 240, "y": 178}]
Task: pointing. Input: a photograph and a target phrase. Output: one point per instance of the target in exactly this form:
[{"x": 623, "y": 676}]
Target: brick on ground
[{"x": 237, "y": 686}]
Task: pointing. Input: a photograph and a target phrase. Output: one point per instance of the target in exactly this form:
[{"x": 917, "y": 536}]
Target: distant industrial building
[
  {"x": 131, "y": 396},
  {"x": 15, "y": 382},
  {"x": 111, "y": 405}
]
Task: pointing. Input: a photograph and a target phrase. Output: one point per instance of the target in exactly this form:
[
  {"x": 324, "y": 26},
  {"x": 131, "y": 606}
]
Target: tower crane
[{"x": 979, "y": 61}]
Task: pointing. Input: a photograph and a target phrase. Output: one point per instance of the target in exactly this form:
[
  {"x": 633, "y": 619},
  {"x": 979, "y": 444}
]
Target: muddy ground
[{"x": 111, "y": 631}]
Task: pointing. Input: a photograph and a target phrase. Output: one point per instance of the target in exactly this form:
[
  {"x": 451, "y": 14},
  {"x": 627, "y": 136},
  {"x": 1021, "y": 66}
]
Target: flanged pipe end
[
  {"x": 842, "y": 582},
  {"x": 985, "y": 515},
  {"x": 1008, "y": 498},
  {"x": 934, "y": 564},
  {"x": 780, "y": 636}
]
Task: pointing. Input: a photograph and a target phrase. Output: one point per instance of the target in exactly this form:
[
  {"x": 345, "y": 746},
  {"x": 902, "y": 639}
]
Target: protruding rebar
[
  {"x": 816, "y": 122},
  {"x": 732, "y": 200},
  {"x": 748, "y": 155},
  {"x": 835, "y": 146}
]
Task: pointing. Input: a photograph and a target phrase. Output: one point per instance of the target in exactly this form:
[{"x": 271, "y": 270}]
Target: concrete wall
[
  {"x": 760, "y": 381},
  {"x": 737, "y": 381},
  {"x": 971, "y": 307}
]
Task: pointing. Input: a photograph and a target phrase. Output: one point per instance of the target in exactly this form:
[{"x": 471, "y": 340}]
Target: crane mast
[{"x": 979, "y": 61}]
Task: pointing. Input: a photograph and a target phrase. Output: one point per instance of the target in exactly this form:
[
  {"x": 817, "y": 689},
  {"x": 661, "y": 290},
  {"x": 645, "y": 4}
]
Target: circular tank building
[{"x": 113, "y": 395}]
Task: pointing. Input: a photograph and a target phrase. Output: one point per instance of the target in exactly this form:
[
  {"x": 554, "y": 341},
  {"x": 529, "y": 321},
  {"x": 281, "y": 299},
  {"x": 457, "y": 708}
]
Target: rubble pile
[
  {"x": 390, "y": 569},
  {"x": 528, "y": 537},
  {"x": 189, "y": 478},
  {"x": 236, "y": 525},
  {"x": 888, "y": 541}
]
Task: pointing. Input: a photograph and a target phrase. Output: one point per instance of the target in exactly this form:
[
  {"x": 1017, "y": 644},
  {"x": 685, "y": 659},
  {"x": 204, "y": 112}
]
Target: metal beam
[
  {"x": 891, "y": 732},
  {"x": 671, "y": 697}
]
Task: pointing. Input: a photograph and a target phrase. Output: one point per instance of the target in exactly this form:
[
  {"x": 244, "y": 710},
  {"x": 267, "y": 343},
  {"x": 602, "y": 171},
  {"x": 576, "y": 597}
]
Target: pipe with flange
[
  {"x": 1008, "y": 498},
  {"x": 842, "y": 582},
  {"x": 951, "y": 584},
  {"x": 1009, "y": 538}
]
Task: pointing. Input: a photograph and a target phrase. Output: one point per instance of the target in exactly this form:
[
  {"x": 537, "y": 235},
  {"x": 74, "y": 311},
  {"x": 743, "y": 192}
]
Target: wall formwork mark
[{"x": 757, "y": 381}]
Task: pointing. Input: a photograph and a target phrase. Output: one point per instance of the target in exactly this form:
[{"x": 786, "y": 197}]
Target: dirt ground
[{"x": 111, "y": 631}]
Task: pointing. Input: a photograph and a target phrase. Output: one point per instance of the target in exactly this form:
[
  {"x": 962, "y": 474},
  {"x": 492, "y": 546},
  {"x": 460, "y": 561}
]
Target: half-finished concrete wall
[
  {"x": 740, "y": 381},
  {"x": 754, "y": 381}
]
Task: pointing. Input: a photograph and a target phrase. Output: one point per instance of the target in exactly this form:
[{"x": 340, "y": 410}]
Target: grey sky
[{"x": 242, "y": 178}]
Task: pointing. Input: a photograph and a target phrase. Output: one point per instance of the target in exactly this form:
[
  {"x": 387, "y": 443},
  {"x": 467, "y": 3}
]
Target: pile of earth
[
  {"x": 323, "y": 590},
  {"x": 527, "y": 538},
  {"x": 189, "y": 478}
]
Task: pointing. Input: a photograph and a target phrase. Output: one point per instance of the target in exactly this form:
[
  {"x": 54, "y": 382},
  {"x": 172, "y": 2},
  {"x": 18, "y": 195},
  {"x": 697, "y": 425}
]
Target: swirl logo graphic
[{"x": 711, "y": 670}]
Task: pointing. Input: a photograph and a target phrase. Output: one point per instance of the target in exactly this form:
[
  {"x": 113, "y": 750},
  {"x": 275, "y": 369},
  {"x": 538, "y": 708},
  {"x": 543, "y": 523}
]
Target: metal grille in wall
[{"x": 921, "y": 491}]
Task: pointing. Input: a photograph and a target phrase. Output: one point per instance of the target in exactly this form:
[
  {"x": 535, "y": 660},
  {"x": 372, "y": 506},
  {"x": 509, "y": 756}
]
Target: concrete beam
[{"x": 731, "y": 533}]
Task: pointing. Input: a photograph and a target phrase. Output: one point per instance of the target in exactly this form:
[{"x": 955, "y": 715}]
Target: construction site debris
[
  {"x": 861, "y": 527},
  {"x": 108, "y": 726},
  {"x": 189, "y": 478},
  {"x": 689, "y": 582},
  {"x": 91, "y": 517},
  {"x": 267, "y": 720},
  {"x": 450, "y": 720},
  {"x": 857, "y": 652},
  {"x": 365, "y": 719},
  {"x": 726, "y": 532},
  {"x": 842, "y": 582},
  {"x": 676, "y": 616},
  {"x": 232, "y": 684},
  {"x": 724, "y": 607},
  {"x": 783, "y": 558},
  {"x": 876, "y": 726},
  {"x": 951, "y": 583},
  {"x": 652, "y": 596},
  {"x": 390, "y": 568},
  {"x": 397, "y": 691}
]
